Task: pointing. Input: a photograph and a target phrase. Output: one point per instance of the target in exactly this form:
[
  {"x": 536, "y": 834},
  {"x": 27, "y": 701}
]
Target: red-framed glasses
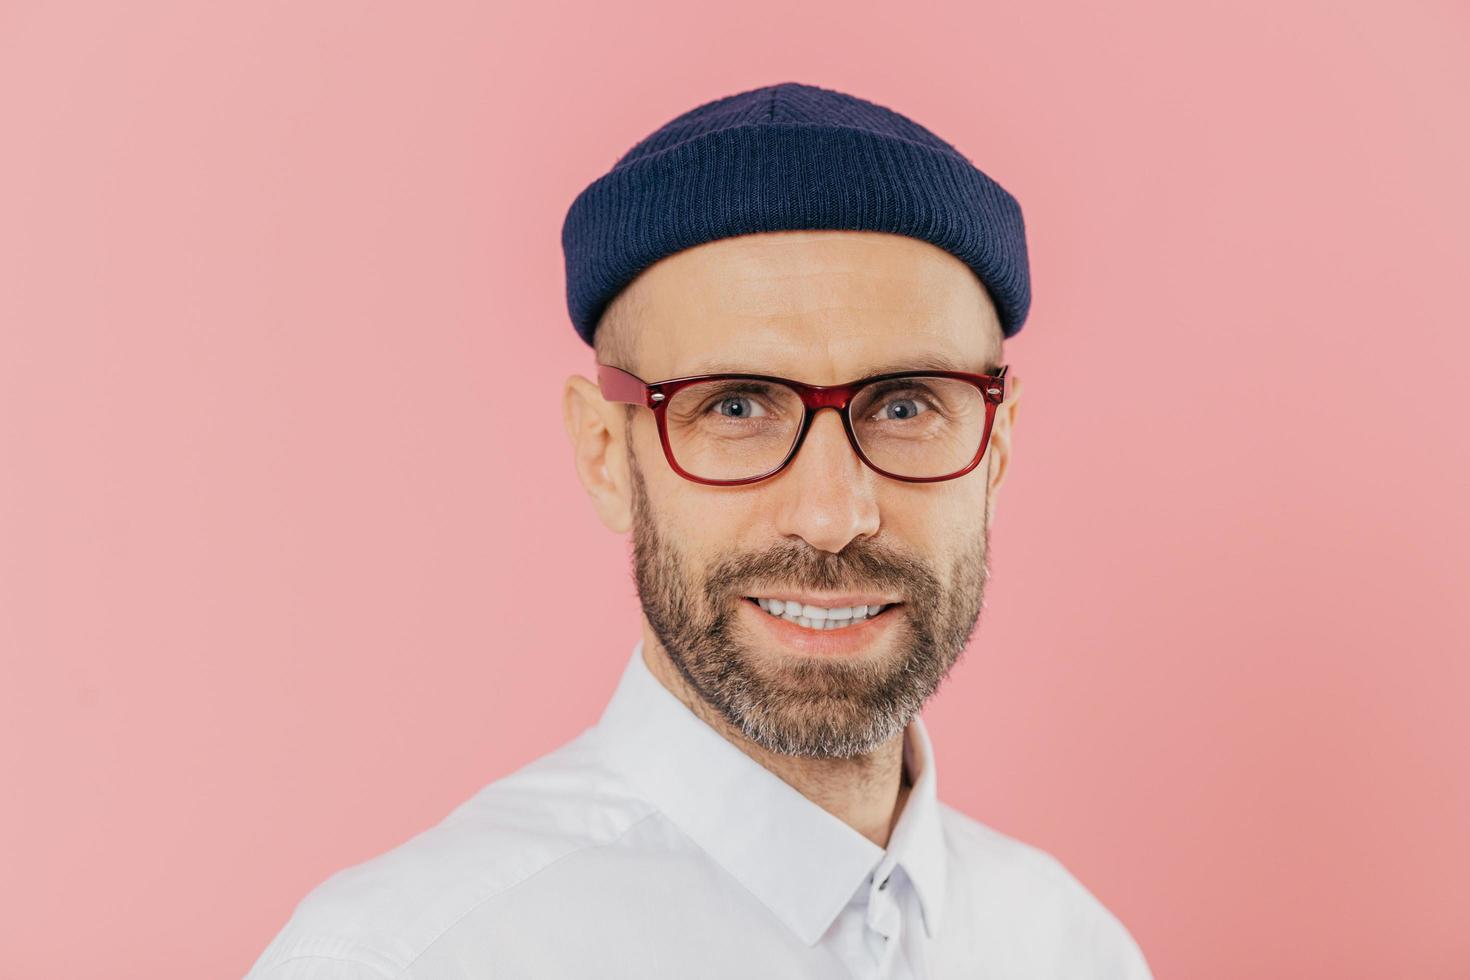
[{"x": 733, "y": 429}]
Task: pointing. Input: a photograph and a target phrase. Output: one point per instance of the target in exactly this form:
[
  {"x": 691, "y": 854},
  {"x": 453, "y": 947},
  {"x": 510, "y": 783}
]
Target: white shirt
[{"x": 650, "y": 847}]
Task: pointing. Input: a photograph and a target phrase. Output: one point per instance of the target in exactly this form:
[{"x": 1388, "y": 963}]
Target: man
[{"x": 759, "y": 797}]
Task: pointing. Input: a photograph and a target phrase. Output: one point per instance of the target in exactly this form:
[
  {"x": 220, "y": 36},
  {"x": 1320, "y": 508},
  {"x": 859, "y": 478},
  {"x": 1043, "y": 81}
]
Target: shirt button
[{"x": 883, "y": 885}]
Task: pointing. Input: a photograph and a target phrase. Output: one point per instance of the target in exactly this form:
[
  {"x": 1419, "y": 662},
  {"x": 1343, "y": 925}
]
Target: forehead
[{"x": 818, "y": 306}]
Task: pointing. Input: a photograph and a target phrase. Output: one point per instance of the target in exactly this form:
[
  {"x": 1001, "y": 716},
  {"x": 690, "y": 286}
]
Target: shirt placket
[{"x": 884, "y": 921}]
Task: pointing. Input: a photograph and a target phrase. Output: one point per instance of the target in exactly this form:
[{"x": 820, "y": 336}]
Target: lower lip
[{"x": 845, "y": 641}]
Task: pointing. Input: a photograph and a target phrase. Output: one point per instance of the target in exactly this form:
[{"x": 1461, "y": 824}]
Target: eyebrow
[{"x": 927, "y": 361}]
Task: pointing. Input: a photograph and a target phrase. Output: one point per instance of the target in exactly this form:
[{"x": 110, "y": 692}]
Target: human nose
[{"x": 830, "y": 495}]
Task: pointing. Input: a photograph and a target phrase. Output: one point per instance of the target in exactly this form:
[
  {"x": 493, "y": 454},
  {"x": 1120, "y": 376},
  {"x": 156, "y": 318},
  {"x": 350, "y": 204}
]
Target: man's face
[{"x": 824, "y": 308}]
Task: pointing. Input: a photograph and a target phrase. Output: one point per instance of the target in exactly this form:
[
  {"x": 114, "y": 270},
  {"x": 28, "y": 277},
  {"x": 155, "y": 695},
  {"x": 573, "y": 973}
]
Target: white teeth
[{"x": 815, "y": 617}]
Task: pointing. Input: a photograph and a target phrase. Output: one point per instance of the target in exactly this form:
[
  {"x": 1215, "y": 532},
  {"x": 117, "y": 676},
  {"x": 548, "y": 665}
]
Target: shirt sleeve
[
  {"x": 317, "y": 968},
  {"x": 1114, "y": 952}
]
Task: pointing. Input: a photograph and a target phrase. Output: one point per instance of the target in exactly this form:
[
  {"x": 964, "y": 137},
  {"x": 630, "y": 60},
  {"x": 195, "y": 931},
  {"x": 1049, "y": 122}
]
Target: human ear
[
  {"x": 595, "y": 429},
  {"x": 1001, "y": 433}
]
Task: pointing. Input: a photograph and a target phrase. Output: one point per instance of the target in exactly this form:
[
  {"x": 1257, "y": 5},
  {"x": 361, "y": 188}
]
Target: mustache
[{"x": 863, "y": 566}]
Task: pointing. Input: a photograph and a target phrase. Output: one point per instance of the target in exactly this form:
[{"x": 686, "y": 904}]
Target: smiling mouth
[{"x": 818, "y": 618}]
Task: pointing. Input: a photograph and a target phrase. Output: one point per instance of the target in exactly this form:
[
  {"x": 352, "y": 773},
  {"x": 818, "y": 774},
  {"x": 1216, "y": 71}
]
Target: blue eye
[
  {"x": 738, "y": 402},
  {"x": 905, "y": 401},
  {"x": 738, "y": 413},
  {"x": 913, "y": 396}
]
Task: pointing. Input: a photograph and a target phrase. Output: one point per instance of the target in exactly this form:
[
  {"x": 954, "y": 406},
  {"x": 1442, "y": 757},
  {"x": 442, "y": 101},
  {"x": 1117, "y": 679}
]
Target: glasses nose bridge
[{"x": 817, "y": 398}]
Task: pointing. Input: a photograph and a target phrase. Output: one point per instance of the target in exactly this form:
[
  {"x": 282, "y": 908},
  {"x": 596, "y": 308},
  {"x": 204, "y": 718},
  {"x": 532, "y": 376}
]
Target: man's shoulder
[
  {"x": 995, "y": 854},
  {"x": 375, "y": 917},
  {"x": 1034, "y": 898}
]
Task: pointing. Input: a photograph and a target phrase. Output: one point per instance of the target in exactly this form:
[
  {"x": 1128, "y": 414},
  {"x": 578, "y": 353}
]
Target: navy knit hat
[{"x": 789, "y": 156}]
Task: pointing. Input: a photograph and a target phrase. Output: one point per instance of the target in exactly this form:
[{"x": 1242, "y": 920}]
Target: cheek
[
  {"x": 709, "y": 527},
  {"x": 703, "y": 522},
  {"x": 936, "y": 519}
]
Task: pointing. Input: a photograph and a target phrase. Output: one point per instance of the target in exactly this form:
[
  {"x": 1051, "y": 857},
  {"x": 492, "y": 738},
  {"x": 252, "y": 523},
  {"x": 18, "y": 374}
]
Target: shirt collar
[{"x": 804, "y": 863}]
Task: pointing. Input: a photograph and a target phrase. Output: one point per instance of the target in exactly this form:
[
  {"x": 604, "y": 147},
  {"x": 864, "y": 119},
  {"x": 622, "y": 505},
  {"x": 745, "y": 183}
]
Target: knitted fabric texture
[{"x": 784, "y": 157}]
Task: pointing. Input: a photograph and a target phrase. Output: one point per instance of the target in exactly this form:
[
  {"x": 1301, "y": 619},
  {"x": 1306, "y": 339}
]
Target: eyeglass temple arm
[
  {"x": 618, "y": 385},
  {"x": 1003, "y": 375}
]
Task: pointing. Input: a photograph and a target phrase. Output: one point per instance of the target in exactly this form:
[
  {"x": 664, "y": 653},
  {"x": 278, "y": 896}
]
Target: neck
[{"x": 866, "y": 792}]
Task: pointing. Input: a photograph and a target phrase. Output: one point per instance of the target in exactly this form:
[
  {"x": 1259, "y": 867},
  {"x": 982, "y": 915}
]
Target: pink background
[{"x": 293, "y": 558}]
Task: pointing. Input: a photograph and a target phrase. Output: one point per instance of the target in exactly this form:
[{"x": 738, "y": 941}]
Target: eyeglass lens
[{"x": 735, "y": 429}]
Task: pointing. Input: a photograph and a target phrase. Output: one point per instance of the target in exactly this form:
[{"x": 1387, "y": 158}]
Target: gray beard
[{"x": 812, "y": 707}]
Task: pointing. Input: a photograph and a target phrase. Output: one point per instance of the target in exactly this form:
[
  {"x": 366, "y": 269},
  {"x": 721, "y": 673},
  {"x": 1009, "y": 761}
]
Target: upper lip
[{"x": 845, "y": 600}]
